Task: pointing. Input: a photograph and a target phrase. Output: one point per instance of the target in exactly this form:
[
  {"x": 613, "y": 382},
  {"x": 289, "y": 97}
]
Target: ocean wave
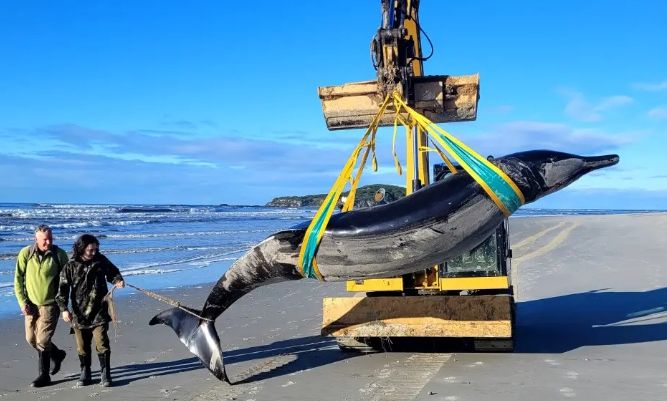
[
  {"x": 149, "y": 271},
  {"x": 139, "y": 209},
  {"x": 77, "y": 221},
  {"x": 213, "y": 260},
  {"x": 77, "y": 225},
  {"x": 185, "y": 234},
  {"x": 99, "y": 223},
  {"x": 76, "y": 206},
  {"x": 199, "y": 260},
  {"x": 163, "y": 249},
  {"x": 142, "y": 250}
]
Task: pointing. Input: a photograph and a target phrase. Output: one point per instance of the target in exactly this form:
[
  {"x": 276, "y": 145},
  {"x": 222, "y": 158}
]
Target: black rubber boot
[
  {"x": 43, "y": 379},
  {"x": 57, "y": 358},
  {"x": 85, "y": 378},
  {"x": 105, "y": 364}
]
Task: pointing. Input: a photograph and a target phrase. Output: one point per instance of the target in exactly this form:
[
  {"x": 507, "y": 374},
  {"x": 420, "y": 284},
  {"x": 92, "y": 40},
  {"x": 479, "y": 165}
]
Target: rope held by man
[{"x": 150, "y": 294}]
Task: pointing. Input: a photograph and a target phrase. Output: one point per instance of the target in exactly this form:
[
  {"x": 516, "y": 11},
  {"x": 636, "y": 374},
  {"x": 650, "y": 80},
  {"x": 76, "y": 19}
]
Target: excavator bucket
[{"x": 441, "y": 98}]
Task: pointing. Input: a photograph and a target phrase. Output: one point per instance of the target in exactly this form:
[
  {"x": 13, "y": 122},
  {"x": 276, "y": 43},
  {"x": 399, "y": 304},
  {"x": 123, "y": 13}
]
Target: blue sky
[{"x": 208, "y": 102}]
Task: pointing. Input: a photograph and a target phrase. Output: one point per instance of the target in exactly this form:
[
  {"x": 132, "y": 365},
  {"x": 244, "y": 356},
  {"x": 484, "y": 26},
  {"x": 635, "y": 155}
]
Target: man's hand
[
  {"x": 67, "y": 316},
  {"x": 26, "y": 310},
  {"x": 120, "y": 284}
]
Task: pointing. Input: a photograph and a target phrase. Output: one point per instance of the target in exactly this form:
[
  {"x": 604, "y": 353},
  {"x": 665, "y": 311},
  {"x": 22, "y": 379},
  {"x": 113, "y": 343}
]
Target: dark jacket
[{"x": 85, "y": 284}]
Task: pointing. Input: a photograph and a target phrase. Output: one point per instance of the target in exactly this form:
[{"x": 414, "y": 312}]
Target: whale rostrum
[{"x": 436, "y": 223}]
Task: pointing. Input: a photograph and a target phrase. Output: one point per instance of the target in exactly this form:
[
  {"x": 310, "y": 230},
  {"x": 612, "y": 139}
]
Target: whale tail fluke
[{"x": 198, "y": 335}]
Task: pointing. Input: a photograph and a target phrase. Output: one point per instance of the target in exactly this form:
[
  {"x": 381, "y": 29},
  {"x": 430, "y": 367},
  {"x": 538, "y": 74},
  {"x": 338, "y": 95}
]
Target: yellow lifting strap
[
  {"x": 311, "y": 240},
  {"x": 500, "y": 188}
]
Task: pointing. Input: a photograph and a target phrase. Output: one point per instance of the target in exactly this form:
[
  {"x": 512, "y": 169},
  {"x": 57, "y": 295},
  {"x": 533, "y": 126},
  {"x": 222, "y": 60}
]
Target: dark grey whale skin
[{"x": 433, "y": 224}]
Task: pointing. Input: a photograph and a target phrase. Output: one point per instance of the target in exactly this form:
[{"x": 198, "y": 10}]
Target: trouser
[
  {"x": 40, "y": 326},
  {"x": 84, "y": 336}
]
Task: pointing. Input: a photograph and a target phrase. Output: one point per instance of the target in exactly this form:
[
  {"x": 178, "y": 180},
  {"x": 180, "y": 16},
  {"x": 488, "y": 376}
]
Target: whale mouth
[{"x": 597, "y": 162}]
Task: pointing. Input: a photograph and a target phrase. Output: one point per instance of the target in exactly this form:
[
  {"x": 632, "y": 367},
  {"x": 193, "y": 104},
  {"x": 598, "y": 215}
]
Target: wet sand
[{"x": 591, "y": 325}]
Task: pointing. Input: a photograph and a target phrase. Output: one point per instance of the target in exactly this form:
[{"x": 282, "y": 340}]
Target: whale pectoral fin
[{"x": 198, "y": 335}]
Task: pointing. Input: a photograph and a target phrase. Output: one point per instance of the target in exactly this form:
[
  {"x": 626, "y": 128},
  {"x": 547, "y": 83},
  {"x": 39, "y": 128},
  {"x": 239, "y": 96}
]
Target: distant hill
[{"x": 364, "y": 197}]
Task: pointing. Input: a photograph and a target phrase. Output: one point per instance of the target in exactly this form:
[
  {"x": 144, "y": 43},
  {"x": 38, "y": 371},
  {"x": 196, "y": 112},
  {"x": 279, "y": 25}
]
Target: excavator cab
[{"x": 488, "y": 259}]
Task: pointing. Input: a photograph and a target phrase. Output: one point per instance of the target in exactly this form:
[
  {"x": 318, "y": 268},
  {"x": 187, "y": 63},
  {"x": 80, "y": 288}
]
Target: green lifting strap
[{"x": 500, "y": 188}]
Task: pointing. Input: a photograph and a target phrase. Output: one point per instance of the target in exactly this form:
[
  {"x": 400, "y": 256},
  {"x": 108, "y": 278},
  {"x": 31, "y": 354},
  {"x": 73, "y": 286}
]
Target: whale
[{"x": 436, "y": 223}]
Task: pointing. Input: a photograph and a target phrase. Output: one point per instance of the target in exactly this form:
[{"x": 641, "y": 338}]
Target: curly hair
[{"x": 79, "y": 247}]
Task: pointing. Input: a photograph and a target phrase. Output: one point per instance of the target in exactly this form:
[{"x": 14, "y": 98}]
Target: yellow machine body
[{"x": 423, "y": 304}]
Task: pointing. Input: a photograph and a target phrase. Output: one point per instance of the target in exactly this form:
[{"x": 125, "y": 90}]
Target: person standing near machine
[
  {"x": 83, "y": 281},
  {"x": 36, "y": 278}
]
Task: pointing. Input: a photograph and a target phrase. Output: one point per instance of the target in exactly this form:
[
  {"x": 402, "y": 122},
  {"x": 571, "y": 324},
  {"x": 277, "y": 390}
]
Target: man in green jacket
[{"x": 36, "y": 279}]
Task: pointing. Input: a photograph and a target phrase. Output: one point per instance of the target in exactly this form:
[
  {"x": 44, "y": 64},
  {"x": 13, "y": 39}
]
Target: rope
[
  {"x": 112, "y": 312},
  {"x": 167, "y": 300}
]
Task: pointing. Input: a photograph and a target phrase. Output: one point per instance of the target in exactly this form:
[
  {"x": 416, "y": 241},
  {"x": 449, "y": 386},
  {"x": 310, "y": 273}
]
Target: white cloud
[
  {"x": 658, "y": 113},
  {"x": 526, "y": 135},
  {"x": 612, "y": 101},
  {"x": 651, "y": 86},
  {"x": 578, "y": 107},
  {"x": 199, "y": 169}
]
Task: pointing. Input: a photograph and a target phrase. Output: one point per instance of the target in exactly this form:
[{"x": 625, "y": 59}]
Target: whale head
[{"x": 541, "y": 172}]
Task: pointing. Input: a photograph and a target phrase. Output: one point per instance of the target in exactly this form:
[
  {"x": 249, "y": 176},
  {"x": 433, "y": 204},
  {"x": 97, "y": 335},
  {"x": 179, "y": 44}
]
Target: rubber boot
[
  {"x": 85, "y": 378},
  {"x": 105, "y": 364},
  {"x": 57, "y": 358},
  {"x": 43, "y": 379}
]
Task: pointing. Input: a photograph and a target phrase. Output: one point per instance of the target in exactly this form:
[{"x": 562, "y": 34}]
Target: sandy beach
[{"x": 591, "y": 325}]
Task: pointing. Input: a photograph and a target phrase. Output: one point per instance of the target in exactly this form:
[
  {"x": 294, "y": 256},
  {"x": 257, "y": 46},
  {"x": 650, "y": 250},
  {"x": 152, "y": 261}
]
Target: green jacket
[{"x": 37, "y": 282}]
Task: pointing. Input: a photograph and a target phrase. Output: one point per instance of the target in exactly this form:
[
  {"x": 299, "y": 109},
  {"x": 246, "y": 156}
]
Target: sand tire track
[
  {"x": 516, "y": 262},
  {"x": 529, "y": 240},
  {"x": 548, "y": 247},
  {"x": 403, "y": 380},
  {"x": 223, "y": 391}
]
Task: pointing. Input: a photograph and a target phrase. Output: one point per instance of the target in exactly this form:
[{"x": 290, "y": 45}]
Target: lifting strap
[
  {"x": 500, "y": 188},
  {"x": 311, "y": 240}
]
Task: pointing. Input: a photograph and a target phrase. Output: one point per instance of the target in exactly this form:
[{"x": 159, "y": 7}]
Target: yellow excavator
[{"x": 470, "y": 297}]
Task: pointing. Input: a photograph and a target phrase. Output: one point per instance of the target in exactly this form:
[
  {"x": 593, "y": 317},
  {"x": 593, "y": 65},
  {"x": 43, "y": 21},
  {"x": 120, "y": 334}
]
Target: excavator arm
[{"x": 397, "y": 58}]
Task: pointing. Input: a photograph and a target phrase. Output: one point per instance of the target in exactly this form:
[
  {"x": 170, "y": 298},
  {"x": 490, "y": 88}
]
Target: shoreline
[
  {"x": 211, "y": 273},
  {"x": 120, "y": 295},
  {"x": 591, "y": 324}
]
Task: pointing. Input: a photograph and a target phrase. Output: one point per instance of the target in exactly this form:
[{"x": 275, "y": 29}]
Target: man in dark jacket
[
  {"x": 84, "y": 282},
  {"x": 35, "y": 285}
]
